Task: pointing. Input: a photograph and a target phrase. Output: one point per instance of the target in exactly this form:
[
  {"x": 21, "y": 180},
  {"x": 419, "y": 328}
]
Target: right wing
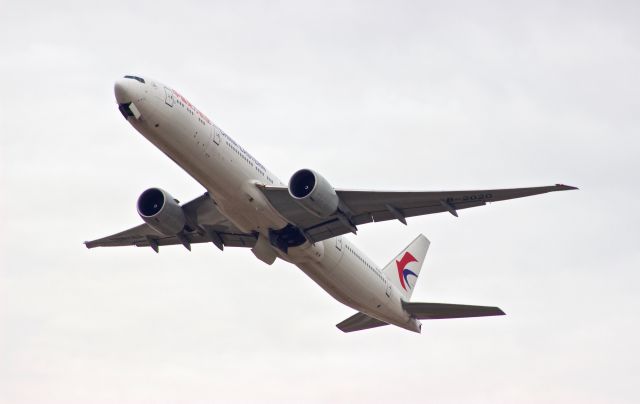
[
  {"x": 205, "y": 224},
  {"x": 375, "y": 206}
]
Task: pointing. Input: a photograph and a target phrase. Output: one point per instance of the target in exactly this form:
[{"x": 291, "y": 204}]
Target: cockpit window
[{"x": 140, "y": 79}]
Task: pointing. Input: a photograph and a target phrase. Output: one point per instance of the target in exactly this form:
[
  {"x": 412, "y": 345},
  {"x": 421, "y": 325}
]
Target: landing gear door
[{"x": 169, "y": 98}]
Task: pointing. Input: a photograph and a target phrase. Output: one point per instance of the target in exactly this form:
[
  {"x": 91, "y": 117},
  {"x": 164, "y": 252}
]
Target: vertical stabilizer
[{"x": 404, "y": 269}]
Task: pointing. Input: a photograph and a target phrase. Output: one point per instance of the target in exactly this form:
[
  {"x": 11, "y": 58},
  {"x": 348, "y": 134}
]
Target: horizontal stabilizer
[
  {"x": 433, "y": 311},
  {"x": 359, "y": 321}
]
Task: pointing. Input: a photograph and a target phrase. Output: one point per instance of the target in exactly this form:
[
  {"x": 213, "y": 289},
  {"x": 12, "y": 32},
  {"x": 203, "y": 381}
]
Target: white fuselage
[{"x": 231, "y": 175}]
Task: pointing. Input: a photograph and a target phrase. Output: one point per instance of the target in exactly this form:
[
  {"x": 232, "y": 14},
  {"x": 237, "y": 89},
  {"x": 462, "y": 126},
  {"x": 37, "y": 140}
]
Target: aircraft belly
[
  {"x": 318, "y": 274},
  {"x": 342, "y": 279},
  {"x": 181, "y": 142},
  {"x": 189, "y": 145}
]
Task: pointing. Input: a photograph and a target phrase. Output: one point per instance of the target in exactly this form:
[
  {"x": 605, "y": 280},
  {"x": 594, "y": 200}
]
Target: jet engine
[
  {"x": 161, "y": 211},
  {"x": 314, "y": 193}
]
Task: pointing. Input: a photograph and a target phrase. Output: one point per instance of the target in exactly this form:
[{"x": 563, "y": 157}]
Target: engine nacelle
[
  {"x": 161, "y": 211},
  {"x": 313, "y": 193}
]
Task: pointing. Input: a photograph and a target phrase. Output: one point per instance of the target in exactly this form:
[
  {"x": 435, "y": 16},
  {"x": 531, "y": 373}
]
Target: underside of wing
[
  {"x": 359, "y": 321},
  {"x": 360, "y": 207},
  {"x": 204, "y": 224},
  {"x": 145, "y": 236}
]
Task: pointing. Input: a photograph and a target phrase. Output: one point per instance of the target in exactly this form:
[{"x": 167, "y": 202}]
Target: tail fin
[{"x": 403, "y": 271}]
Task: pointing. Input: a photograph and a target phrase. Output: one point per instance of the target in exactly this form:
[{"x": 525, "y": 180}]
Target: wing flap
[
  {"x": 434, "y": 311},
  {"x": 358, "y": 322},
  {"x": 436, "y": 207}
]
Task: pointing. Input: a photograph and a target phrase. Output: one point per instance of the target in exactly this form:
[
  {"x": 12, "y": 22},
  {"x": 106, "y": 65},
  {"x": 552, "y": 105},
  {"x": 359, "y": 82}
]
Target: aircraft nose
[
  {"x": 126, "y": 87},
  {"x": 123, "y": 91}
]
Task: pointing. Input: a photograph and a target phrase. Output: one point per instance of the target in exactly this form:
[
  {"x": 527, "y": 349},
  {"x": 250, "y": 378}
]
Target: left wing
[
  {"x": 362, "y": 207},
  {"x": 205, "y": 224}
]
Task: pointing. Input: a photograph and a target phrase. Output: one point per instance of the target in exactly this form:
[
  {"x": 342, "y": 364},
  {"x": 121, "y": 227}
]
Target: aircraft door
[
  {"x": 215, "y": 135},
  {"x": 169, "y": 98},
  {"x": 214, "y": 139}
]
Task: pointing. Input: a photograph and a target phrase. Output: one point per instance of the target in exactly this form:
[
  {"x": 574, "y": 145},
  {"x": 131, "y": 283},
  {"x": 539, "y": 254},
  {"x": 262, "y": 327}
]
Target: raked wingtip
[{"x": 563, "y": 187}]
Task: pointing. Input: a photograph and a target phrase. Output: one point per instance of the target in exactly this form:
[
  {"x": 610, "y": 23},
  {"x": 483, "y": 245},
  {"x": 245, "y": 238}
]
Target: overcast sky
[{"x": 376, "y": 95}]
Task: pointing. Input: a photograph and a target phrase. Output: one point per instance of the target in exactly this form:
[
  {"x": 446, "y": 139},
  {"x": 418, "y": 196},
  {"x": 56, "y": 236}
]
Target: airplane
[{"x": 302, "y": 222}]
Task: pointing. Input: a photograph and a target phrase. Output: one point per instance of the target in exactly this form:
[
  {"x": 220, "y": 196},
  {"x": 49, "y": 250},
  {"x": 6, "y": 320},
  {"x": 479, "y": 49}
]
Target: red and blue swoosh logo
[{"x": 403, "y": 272}]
